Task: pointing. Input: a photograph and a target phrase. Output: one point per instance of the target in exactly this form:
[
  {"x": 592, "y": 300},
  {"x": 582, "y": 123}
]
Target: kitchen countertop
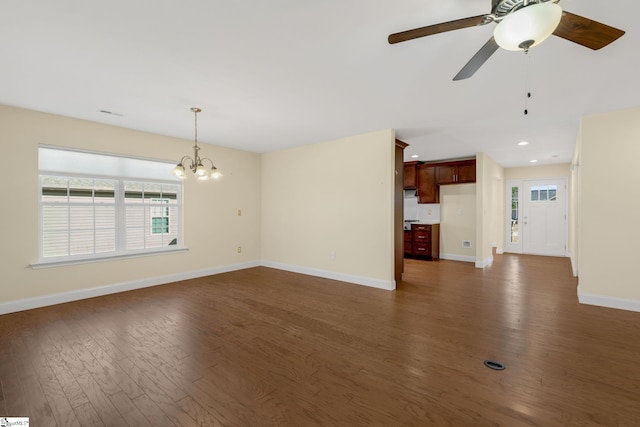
[
  {"x": 407, "y": 224},
  {"x": 426, "y": 221}
]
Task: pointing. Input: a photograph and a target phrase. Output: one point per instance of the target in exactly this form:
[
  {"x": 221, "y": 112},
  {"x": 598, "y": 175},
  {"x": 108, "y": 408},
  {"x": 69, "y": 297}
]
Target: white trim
[
  {"x": 454, "y": 257},
  {"x": 485, "y": 263},
  {"x": 59, "y": 298},
  {"x": 574, "y": 265},
  {"x": 499, "y": 251},
  {"x": 388, "y": 285},
  {"x": 607, "y": 301}
]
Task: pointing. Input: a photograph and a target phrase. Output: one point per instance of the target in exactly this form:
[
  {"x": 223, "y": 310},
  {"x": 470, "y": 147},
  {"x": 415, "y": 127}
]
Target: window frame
[{"x": 120, "y": 251}]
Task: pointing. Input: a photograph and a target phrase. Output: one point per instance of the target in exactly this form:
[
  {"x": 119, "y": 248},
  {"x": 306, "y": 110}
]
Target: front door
[
  {"x": 544, "y": 217},
  {"x": 537, "y": 217}
]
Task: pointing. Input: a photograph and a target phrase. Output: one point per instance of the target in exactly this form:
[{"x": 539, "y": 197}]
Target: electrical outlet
[
  {"x": 332, "y": 255},
  {"x": 239, "y": 249}
]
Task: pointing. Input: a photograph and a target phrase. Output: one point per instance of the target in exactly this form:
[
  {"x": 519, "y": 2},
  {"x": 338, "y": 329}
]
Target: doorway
[{"x": 537, "y": 217}]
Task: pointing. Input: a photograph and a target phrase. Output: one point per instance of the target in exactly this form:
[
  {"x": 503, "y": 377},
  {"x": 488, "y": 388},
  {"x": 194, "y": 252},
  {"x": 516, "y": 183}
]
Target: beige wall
[
  {"x": 574, "y": 200},
  {"x": 489, "y": 208},
  {"x": 458, "y": 221},
  {"x": 212, "y": 229},
  {"x": 609, "y": 202},
  {"x": 538, "y": 172},
  {"x": 327, "y": 208}
]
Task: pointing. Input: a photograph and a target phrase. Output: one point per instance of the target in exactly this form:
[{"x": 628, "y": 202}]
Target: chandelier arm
[
  {"x": 209, "y": 160},
  {"x": 187, "y": 159}
]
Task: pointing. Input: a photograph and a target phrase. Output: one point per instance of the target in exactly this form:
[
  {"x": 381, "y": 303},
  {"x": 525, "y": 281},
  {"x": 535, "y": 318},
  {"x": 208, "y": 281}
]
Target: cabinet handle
[
  {"x": 422, "y": 237},
  {"x": 421, "y": 249}
]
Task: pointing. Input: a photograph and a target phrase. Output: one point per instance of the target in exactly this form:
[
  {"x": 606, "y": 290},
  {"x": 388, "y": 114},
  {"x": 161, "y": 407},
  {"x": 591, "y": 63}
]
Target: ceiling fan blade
[
  {"x": 435, "y": 29},
  {"x": 478, "y": 59},
  {"x": 585, "y": 32}
]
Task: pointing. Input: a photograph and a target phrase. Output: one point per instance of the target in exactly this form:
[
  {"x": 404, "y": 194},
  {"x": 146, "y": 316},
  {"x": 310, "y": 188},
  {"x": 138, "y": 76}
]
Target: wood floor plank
[
  {"x": 51, "y": 387},
  {"x": 222, "y": 407},
  {"x": 14, "y": 398},
  {"x": 200, "y": 415},
  {"x": 104, "y": 367},
  {"x": 72, "y": 390},
  {"x": 129, "y": 410},
  {"x": 154, "y": 392},
  {"x": 39, "y": 408},
  {"x": 87, "y": 416},
  {"x": 165, "y": 384},
  {"x": 100, "y": 402},
  {"x": 152, "y": 411}
]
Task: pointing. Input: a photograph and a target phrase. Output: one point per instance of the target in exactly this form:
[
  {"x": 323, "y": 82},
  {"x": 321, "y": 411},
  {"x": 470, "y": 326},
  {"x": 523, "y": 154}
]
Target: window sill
[{"x": 66, "y": 262}]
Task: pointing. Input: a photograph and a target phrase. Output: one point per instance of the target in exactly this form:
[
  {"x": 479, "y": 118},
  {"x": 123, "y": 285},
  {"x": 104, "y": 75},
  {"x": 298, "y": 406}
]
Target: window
[
  {"x": 148, "y": 210},
  {"x": 86, "y": 217},
  {"x": 543, "y": 193},
  {"x": 78, "y": 216},
  {"x": 514, "y": 215}
]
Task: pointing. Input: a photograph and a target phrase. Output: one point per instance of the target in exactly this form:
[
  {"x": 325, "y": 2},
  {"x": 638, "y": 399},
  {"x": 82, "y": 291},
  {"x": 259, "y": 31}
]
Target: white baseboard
[
  {"x": 388, "y": 285},
  {"x": 59, "y": 298},
  {"x": 454, "y": 257},
  {"x": 484, "y": 263},
  {"x": 499, "y": 251},
  {"x": 607, "y": 301},
  {"x": 574, "y": 264}
]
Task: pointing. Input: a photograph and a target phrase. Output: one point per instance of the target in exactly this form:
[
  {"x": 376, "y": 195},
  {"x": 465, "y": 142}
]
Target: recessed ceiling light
[
  {"x": 533, "y": 161},
  {"x": 415, "y": 156},
  {"x": 522, "y": 143}
]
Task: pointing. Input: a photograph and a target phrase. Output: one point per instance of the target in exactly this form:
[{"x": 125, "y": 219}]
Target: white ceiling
[{"x": 280, "y": 73}]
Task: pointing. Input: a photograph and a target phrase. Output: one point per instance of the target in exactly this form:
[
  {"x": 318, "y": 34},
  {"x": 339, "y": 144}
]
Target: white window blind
[
  {"x": 144, "y": 203},
  {"x": 88, "y": 217}
]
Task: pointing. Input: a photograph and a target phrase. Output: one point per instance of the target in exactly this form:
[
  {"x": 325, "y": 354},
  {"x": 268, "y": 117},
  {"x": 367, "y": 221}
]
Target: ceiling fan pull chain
[{"x": 527, "y": 82}]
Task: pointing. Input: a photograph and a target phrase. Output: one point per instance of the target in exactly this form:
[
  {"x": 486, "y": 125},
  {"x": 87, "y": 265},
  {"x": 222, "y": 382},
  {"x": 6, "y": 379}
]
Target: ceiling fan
[{"x": 521, "y": 25}]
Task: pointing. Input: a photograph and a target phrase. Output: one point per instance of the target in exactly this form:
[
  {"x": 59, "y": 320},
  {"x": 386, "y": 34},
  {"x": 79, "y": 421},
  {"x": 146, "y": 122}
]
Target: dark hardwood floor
[{"x": 267, "y": 347}]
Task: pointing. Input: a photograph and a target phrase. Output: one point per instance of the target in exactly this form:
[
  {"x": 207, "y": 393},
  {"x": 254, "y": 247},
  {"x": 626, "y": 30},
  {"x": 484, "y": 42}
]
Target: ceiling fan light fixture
[{"x": 527, "y": 26}]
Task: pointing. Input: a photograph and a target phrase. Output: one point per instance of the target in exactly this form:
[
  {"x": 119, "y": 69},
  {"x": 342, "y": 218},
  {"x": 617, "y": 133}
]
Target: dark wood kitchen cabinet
[
  {"x": 410, "y": 176},
  {"x": 458, "y": 172},
  {"x": 427, "y": 177},
  {"x": 425, "y": 241},
  {"x": 427, "y": 187},
  {"x": 408, "y": 242}
]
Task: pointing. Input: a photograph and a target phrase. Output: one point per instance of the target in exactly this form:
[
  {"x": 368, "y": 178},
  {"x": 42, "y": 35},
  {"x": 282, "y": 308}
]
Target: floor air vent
[{"x": 492, "y": 364}]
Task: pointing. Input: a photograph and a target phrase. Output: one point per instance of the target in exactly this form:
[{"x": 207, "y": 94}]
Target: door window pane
[{"x": 514, "y": 215}]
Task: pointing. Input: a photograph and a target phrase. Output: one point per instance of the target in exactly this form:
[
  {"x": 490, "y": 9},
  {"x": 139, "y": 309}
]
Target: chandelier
[{"x": 195, "y": 163}]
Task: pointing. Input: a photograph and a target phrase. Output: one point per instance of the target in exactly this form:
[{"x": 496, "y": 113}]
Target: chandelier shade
[{"x": 528, "y": 26}]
